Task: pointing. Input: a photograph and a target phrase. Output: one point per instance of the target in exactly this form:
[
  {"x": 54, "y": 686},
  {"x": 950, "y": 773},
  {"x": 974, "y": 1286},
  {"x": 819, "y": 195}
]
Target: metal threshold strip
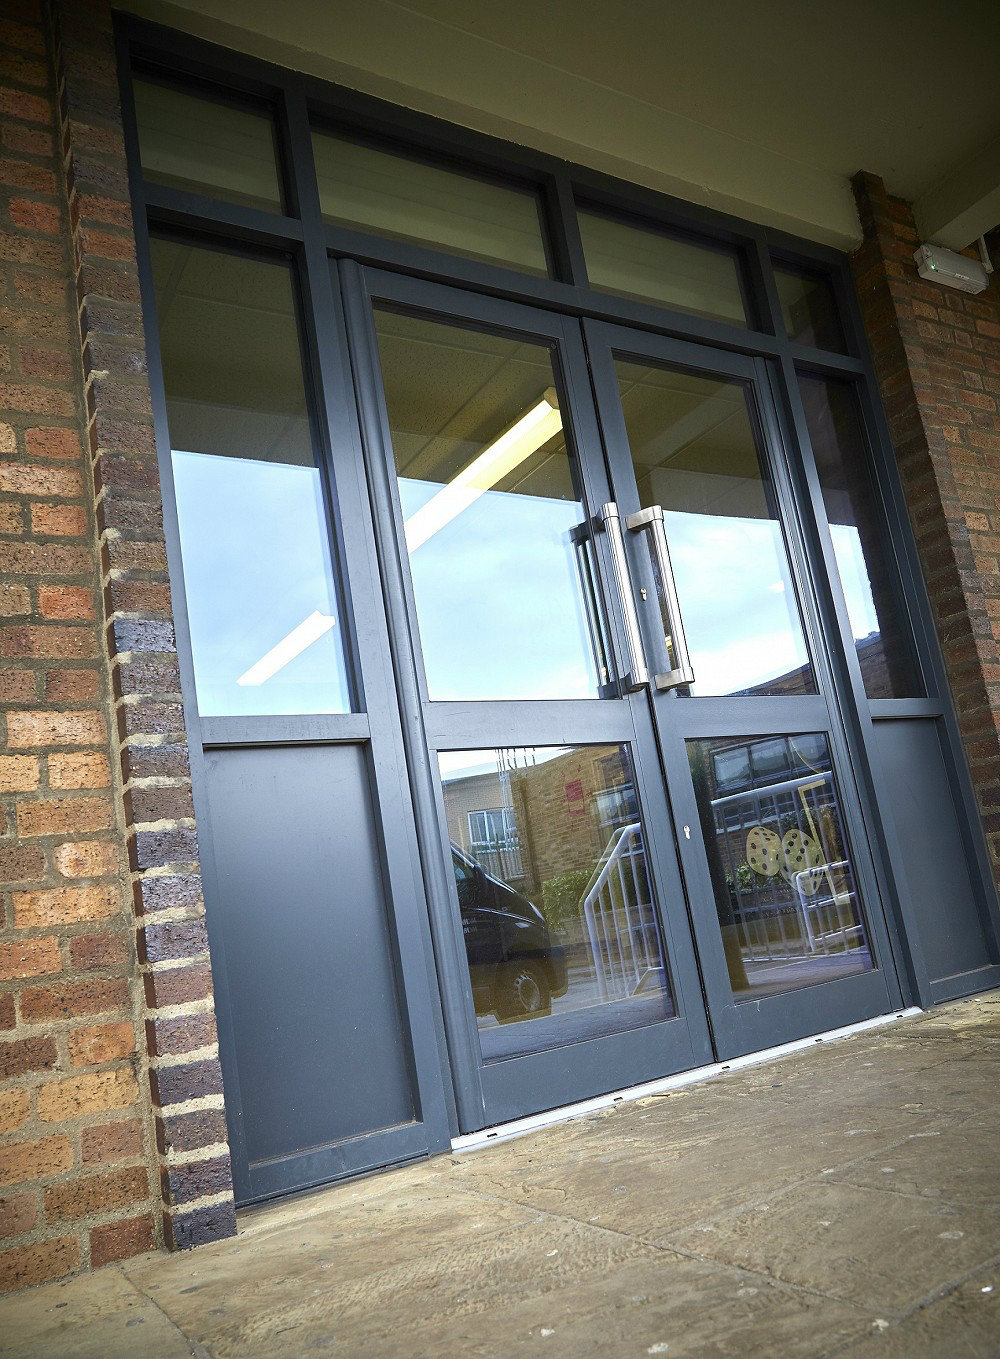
[{"x": 504, "y": 1131}]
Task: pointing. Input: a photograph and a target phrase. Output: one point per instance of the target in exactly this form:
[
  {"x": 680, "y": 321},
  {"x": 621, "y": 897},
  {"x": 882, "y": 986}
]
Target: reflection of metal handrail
[
  {"x": 625, "y": 952},
  {"x": 789, "y": 785}
]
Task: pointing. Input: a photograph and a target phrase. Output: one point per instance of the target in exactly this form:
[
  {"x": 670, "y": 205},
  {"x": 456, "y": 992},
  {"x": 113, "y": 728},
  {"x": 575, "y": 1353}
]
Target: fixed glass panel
[
  {"x": 785, "y": 888},
  {"x": 492, "y": 513},
  {"x": 556, "y": 898},
  {"x": 413, "y": 200},
  {"x": 809, "y": 306},
  {"x": 860, "y": 541},
  {"x": 266, "y": 635},
  {"x": 695, "y": 453},
  {"x": 638, "y": 261},
  {"x": 187, "y": 141}
]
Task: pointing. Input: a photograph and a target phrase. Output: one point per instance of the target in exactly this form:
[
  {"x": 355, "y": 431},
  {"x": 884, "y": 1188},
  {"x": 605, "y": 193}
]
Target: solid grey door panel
[
  {"x": 300, "y": 915},
  {"x": 935, "y": 859}
]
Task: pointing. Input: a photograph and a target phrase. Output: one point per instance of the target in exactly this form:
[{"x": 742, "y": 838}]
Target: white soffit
[{"x": 763, "y": 110}]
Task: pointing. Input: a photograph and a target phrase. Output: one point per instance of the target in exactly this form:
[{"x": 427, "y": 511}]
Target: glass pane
[
  {"x": 809, "y": 307},
  {"x": 262, "y": 604},
  {"x": 555, "y": 895},
  {"x": 641, "y": 262},
  {"x": 488, "y": 489},
  {"x": 694, "y": 452},
  {"x": 199, "y": 144},
  {"x": 785, "y": 890},
  {"x": 860, "y": 543},
  {"x": 412, "y": 200}
]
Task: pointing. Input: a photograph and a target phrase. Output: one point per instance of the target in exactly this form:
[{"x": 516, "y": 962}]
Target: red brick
[
  {"x": 21, "y": 1055},
  {"x": 43, "y": 442},
  {"x": 92, "y": 1194},
  {"x": 90, "y": 951},
  {"x": 63, "y": 906},
  {"x": 15, "y": 1109},
  {"x": 30, "y": 958},
  {"x": 72, "y": 686},
  {"x": 111, "y": 1141},
  {"x": 95, "y": 1044},
  {"x": 49, "y": 641},
  {"x": 31, "y": 730},
  {"x": 93, "y": 1092},
  {"x": 38, "y": 1262},
  {"x": 58, "y": 521},
  {"x": 25, "y": 478},
  {"x": 33, "y": 1160},
  {"x": 65, "y": 601},
  {"x": 18, "y": 1214},
  {"x": 18, "y": 773},
  {"x": 121, "y": 1240},
  {"x": 90, "y": 770},
  {"x": 21, "y": 863},
  {"x": 97, "y": 995},
  {"x": 68, "y": 815},
  {"x": 86, "y": 858}
]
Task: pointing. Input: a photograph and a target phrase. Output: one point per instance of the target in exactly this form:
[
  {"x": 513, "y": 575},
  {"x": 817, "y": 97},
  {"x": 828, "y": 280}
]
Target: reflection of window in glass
[
  {"x": 261, "y": 598},
  {"x": 786, "y": 892},
  {"x": 189, "y": 141},
  {"x": 860, "y": 543},
  {"x": 634, "y": 260},
  {"x": 694, "y": 452},
  {"x": 492, "y": 513},
  {"x": 809, "y": 307},
  {"x": 406, "y": 199},
  {"x": 568, "y": 940}
]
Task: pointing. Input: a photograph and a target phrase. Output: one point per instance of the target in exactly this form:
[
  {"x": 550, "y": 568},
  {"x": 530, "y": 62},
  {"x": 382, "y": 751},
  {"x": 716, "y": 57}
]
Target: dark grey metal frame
[{"x": 310, "y": 242}]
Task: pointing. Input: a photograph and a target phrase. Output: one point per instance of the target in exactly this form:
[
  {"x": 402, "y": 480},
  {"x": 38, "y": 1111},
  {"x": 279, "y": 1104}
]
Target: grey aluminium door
[
  {"x": 560, "y": 919},
  {"x": 790, "y": 933}
]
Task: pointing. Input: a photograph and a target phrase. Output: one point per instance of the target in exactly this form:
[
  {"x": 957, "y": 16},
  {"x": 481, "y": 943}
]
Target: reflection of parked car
[{"x": 515, "y": 967}]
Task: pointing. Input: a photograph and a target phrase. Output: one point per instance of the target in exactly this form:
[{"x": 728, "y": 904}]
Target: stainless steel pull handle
[
  {"x": 682, "y": 672},
  {"x": 638, "y": 671}
]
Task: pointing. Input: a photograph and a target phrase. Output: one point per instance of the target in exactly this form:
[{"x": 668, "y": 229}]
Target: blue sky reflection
[{"x": 256, "y": 565}]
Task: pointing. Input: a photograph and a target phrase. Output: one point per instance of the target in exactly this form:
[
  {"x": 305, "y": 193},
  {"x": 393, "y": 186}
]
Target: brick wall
[
  {"x": 112, "y": 1133},
  {"x": 937, "y": 355}
]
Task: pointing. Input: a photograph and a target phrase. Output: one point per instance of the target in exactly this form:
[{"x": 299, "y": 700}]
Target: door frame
[{"x": 742, "y": 1026}]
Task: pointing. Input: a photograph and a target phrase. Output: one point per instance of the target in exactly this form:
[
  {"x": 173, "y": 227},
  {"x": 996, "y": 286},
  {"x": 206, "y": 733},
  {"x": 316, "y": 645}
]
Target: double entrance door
[{"x": 590, "y": 818}]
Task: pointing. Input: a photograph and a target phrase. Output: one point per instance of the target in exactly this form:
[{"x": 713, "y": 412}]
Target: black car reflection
[{"x": 515, "y": 966}]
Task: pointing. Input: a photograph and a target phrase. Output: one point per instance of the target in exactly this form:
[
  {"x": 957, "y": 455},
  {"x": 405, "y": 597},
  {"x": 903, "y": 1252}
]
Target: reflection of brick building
[{"x": 564, "y": 811}]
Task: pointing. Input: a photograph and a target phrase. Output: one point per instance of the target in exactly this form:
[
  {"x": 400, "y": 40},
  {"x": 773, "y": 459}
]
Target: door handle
[
  {"x": 652, "y": 519},
  {"x": 638, "y": 671}
]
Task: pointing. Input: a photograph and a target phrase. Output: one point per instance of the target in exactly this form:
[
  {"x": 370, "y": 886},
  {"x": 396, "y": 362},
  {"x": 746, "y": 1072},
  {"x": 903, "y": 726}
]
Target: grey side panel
[
  {"x": 321, "y": 1052},
  {"x": 918, "y": 797}
]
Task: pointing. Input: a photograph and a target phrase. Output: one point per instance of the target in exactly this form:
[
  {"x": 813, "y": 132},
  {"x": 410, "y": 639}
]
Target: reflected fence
[{"x": 790, "y": 887}]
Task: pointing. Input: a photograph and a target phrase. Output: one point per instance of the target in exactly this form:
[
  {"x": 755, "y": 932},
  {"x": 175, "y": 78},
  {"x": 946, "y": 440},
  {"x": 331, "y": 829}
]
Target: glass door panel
[
  {"x": 560, "y": 915},
  {"x": 489, "y": 493},
  {"x": 555, "y": 893},
  {"x": 696, "y": 453},
  {"x": 786, "y": 892}
]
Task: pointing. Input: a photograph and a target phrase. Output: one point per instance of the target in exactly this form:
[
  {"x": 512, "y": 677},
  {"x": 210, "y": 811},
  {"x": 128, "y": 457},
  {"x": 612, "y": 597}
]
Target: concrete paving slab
[
  {"x": 349, "y": 1243},
  {"x": 953, "y": 1165},
  {"x": 95, "y": 1316},
  {"x": 880, "y": 1250},
  {"x": 965, "y": 1324}
]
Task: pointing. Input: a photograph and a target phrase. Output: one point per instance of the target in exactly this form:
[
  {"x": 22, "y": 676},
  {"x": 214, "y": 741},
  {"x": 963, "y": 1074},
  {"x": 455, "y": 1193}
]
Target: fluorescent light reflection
[
  {"x": 498, "y": 459},
  {"x": 310, "y": 630}
]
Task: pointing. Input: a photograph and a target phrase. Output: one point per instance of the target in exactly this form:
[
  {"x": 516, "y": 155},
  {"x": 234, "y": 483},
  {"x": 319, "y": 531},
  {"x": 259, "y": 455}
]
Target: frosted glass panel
[{"x": 413, "y": 200}]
